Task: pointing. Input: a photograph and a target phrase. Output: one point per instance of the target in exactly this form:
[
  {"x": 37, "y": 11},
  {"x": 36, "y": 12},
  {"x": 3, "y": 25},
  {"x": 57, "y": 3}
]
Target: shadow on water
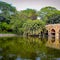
[{"x": 30, "y": 48}]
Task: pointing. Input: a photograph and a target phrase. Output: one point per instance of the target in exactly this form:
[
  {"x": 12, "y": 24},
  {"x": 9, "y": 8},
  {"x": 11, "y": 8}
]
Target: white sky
[{"x": 34, "y": 4}]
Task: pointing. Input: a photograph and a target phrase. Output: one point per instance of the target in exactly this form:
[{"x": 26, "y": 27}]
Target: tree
[
  {"x": 46, "y": 12},
  {"x": 5, "y": 7},
  {"x": 54, "y": 18},
  {"x": 29, "y": 14},
  {"x": 33, "y": 26},
  {"x": 6, "y": 11}
]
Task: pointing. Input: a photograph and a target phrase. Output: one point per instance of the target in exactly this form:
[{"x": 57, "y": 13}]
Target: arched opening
[
  {"x": 52, "y": 32},
  {"x": 59, "y": 36},
  {"x": 53, "y": 35}
]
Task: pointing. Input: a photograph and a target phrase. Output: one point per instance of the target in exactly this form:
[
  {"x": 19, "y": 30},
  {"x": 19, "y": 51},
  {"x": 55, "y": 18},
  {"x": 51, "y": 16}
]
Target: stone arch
[
  {"x": 52, "y": 31},
  {"x": 59, "y": 31},
  {"x": 53, "y": 35},
  {"x": 59, "y": 34}
]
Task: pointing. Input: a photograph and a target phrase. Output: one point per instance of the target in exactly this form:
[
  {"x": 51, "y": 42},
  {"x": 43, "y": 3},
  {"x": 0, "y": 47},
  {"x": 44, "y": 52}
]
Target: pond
[{"x": 19, "y": 48}]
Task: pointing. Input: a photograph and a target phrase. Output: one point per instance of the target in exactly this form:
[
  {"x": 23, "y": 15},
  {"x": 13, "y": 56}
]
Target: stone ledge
[{"x": 7, "y": 35}]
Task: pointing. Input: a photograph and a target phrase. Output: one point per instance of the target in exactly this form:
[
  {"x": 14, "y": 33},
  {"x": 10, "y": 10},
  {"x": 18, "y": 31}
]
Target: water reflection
[
  {"x": 19, "y": 48},
  {"x": 53, "y": 42}
]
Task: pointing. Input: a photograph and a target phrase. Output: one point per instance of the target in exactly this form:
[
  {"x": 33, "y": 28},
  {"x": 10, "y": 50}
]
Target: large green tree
[
  {"x": 29, "y": 13},
  {"x": 54, "y": 18},
  {"x": 33, "y": 26},
  {"x": 46, "y": 12},
  {"x": 6, "y": 11}
]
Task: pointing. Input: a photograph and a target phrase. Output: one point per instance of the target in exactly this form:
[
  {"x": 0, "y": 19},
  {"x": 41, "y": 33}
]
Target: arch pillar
[
  {"x": 49, "y": 37},
  {"x": 57, "y": 36},
  {"x": 56, "y": 43}
]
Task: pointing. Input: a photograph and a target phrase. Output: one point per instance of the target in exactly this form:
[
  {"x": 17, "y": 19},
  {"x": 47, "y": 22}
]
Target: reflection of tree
[
  {"x": 54, "y": 52},
  {"x": 25, "y": 48}
]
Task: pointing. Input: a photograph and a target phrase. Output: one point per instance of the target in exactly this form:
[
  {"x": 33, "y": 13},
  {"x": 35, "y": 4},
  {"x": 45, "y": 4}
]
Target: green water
[{"x": 19, "y": 48}]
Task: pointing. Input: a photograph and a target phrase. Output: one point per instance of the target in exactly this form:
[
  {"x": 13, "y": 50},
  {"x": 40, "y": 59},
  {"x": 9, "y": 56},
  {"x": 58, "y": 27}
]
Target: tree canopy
[
  {"x": 6, "y": 7},
  {"x": 49, "y": 14},
  {"x": 25, "y": 21},
  {"x": 29, "y": 13},
  {"x": 6, "y": 11}
]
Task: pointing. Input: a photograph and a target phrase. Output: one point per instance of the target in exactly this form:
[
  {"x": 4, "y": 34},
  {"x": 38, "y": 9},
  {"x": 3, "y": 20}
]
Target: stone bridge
[{"x": 53, "y": 32}]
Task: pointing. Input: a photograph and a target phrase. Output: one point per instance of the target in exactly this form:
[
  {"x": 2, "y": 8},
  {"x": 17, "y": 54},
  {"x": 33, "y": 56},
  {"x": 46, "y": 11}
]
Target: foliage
[
  {"x": 54, "y": 18},
  {"x": 33, "y": 26},
  {"x": 22, "y": 47},
  {"x": 29, "y": 14},
  {"x": 25, "y": 21},
  {"x": 26, "y": 49},
  {"x": 6, "y": 10},
  {"x": 46, "y": 12}
]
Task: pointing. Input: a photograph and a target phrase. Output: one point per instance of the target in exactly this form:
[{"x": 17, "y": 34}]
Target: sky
[{"x": 33, "y": 4}]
